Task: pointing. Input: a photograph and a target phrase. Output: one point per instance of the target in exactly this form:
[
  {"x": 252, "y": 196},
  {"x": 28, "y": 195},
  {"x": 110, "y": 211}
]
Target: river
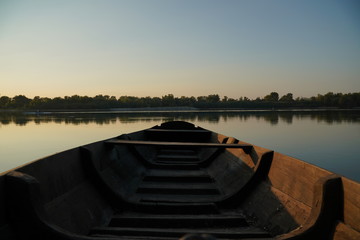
[{"x": 328, "y": 139}]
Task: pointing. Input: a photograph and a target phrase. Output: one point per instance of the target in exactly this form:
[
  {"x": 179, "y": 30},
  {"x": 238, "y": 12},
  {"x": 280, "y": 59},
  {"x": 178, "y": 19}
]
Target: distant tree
[
  {"x": 20, "y": 101},
  {"x": 329, "y": 99},
  {"x": 272, "y": 97},
  {"x": 168, "y": 100},
  {"x": 58, "y": 103},
  {"x": 187, "y": 101},
  {"x": 5, "y": 101},
  {"x": 213, "y": 98},
  {"x": 287, "y": 98},
  {"x": 156, "y": 102}
]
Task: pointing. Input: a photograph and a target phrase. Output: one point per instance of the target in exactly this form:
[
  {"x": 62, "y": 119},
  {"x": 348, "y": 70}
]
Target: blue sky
[{"x": 184, "y": 47}]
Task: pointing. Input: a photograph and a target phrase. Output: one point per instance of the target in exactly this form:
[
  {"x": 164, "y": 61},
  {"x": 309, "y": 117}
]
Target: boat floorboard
[
  {"x": 178, "y": 221},
  {"x": 178, "y": 198},
  {"x": 176, "y": 208},
  {"x": 231, "y": 233},
  {"x": 177, "y": 173},
  {"x": 162, "y": 238}
]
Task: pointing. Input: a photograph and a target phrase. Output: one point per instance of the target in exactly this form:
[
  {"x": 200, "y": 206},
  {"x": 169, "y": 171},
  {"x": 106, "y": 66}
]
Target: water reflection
[{"x": 271, "y": 117}]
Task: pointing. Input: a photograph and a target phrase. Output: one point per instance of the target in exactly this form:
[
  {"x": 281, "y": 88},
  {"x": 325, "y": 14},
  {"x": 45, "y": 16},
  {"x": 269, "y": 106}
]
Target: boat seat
[{"x": 179, "y": 144}]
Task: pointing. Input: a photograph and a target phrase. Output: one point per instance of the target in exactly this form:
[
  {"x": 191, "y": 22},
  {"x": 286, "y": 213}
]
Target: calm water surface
[{"x": 329, "y": 139}]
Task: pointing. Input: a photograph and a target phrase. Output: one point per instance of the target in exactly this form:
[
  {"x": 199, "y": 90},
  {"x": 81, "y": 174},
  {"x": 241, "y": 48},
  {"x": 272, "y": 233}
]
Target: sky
[{"x": 195, "y": 48}]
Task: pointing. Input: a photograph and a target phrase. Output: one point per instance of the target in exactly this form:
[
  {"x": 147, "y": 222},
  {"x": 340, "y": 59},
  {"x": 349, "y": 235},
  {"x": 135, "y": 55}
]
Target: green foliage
[{"x": 272, "y": 100}]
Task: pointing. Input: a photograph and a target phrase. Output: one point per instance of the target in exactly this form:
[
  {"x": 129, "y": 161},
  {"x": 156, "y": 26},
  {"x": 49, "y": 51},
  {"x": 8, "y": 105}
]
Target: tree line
[{"x": 272, "y": 100}]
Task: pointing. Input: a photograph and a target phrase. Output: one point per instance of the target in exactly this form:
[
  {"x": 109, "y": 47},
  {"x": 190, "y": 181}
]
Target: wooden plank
[
  {"x": 177, "y": 157},
  {"x": 179, "y": 232},
  {"x": 177, "y": 208},
  {"x": 343, "y": 231},
  {"x": 260, "y": 173},
  {"x": 294, "y": 177},
  {"x": 178, "y": 221},
  {"x": 178, "y": 144},
  {"x": 179, "y": 198},
  {"x": 351, "y": 203},
  {"x": 178, "y": 178},
  {"x": 178, "y": 185},
  {"x": 177, "y": 173},
  {"x": 176, "y": 167},
  {"x": 326, "y": 209},
  {"x": 178, "y": 188},
  {"x": 178, "y": 151}
]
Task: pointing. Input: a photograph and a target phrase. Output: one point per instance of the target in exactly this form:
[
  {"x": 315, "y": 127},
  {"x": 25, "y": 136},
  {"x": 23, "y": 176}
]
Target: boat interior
[{"x": 176, "y": 181}]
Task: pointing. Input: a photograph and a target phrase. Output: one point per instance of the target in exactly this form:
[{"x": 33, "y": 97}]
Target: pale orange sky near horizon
[{"x": 186, "y": 48}]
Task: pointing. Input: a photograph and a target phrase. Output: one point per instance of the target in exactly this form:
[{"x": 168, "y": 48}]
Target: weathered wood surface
[
  {"x": 326, "y": 209},
  {"x": 295, "y": 177},
  {"x": 178, "y": 220},
  {"x": 351, "y": 203},
  {"x": 345, "y": 232},
  {"x": 179, "y": 232}
]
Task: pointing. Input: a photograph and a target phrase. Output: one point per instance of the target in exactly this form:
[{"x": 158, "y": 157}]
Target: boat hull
[{"x": 173, "y": 180}]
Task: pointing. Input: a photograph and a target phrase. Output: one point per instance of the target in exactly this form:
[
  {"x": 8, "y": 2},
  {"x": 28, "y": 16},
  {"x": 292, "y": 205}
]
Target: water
[{"x": 328, "y": 139}]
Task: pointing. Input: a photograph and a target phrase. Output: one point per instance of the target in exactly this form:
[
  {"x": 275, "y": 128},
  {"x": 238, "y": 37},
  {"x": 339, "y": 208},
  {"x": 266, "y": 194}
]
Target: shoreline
[{"x": 169, "y": 109}]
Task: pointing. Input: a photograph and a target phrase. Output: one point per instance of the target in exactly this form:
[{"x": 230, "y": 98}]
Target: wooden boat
[{"x": 176, "y": 181}]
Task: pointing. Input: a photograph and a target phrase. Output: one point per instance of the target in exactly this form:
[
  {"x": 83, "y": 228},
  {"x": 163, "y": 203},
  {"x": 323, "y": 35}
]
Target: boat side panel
[
  {"x": 351, "y": 203},
  {"x": 70, "y": 198},
  {"x": 295, "y": 178},
  {"x": 3, "y": 219},
  {"x": 6, "y": 232},
  {"x": 233, "y": 168},
  {"x": 273, "y": 210},
  {"x": 147, "y": 153},
  {"x": 230, "y": 171},
  {"x": 57, "y": 174},
  {"x": 124, "y": 172},
  {"x": 345, "y": 232},
  {"x": 79, "y": 210},
  {"x": 270, "y": 208},
  {"x": 284, "y": 201}
]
